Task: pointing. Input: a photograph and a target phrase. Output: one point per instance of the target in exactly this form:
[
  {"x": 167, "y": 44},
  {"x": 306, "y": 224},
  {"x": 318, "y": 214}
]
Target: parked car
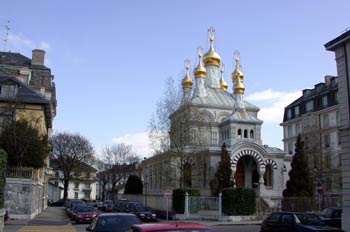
[
  {"x": 113, "y": 222},
  {"x": 295, "y": 222},
  {"x": 107, "y": 206},
  {"x": 332, "y": 216},
  {"x": 85, "y": 214},
  {"x": 60, "y": 202},
  {"x": 121, "y": 205},
  {"x": 145, "y": 214},
  {"x": 74, "y": 210},
  {"x": 170, "y": 227},
  {"x": 70, "y": 206},
  {"x": 132, "y": 206}
]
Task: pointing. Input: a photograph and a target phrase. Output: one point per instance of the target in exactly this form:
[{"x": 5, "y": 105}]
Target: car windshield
[
  {"x": 116, "y": 223},
  {"x": 326, "y": 213},
  {"x": 309, "y": 219}
]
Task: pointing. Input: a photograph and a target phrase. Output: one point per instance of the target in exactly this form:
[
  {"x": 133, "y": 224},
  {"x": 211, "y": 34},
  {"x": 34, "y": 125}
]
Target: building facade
[
  {"x": 27, "y": 91},
  {"x": 82, "y": 185},
  {"x": 315, "y": 116},
  {"x": 210, "y": 116},
  {"x": 341, "y": 47}
]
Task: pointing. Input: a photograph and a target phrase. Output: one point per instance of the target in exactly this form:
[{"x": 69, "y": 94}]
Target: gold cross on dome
[
  {"x": 236, "y": 56},
  {"x": 200, "y": 51},
  {"x": 187, "y": 64},
  {"x": 211, "y": 33}
]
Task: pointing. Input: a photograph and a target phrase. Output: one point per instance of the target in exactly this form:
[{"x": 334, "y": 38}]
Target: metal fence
[{"x": 19, "y": 172}]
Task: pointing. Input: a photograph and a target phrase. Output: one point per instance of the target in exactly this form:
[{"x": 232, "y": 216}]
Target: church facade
[{"x": 210, "y": 115}]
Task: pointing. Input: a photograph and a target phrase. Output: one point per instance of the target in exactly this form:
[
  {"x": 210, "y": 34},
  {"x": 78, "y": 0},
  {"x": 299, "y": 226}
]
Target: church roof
[
  {"x": 244, "y": 116},
  {"x": 216, "y": 97}
]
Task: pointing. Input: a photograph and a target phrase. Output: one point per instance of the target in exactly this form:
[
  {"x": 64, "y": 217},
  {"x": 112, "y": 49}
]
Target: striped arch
[
  {"x": 248, "y": 152},
  {"x": 272, "y": 163}
]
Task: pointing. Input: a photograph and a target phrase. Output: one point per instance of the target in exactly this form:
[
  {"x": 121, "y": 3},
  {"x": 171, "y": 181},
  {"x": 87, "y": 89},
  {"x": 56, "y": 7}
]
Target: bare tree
[
  {"x": 159, "y": 124},
  {"x": 178, "y": 128},
  {"x": 70, "y": 150},
  {"x": 118, "y": 159}
]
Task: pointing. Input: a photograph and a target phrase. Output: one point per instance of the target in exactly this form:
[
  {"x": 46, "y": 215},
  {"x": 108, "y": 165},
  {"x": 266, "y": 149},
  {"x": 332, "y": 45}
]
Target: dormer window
[{"x": 8, "y": 90}]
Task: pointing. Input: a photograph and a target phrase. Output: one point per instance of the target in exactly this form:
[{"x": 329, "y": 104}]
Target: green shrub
[
  {"x": 3, "y": 162},
  {"x": 238, "y": 201},
  {"x": 179, "y": 198}
]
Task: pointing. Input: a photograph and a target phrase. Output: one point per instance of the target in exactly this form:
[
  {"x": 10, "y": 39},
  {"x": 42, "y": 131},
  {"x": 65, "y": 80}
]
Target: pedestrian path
[{"x": 47, "y": 228}]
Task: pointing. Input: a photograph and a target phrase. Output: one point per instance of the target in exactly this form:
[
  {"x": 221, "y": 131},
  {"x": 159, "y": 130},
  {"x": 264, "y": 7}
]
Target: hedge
[
  {"x": 179, "y": 198},
  {"x": 238, "y": 201}
]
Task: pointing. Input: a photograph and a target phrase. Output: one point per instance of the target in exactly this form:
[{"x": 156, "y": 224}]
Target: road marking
[{"x": 47, "y": 228}]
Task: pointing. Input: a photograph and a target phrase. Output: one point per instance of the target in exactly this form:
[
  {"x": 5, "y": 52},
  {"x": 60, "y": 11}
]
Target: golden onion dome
[
  {"x": 239, "y": 87},
  {"x": 187, "y": 80},
  {"x": 237, "y": 73},
  {"x": 200, "y": 70},
  {"x": 223, "y": 84},
  {"x": 211, "y": 57}
]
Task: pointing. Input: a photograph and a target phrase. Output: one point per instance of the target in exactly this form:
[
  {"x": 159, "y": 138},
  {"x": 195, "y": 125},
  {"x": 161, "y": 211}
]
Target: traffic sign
[
  {"x": 167, "y": 193},
  {"x": 319, "y": 187}
]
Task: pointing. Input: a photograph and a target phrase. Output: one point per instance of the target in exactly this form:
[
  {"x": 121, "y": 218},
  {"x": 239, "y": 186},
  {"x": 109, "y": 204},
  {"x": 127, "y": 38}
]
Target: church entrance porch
[{"x": 246, "y": 175}]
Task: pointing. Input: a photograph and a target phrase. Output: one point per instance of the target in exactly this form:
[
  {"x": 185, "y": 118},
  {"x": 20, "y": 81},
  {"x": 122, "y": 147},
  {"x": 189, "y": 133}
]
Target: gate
[{"x": 204, "y": 207}]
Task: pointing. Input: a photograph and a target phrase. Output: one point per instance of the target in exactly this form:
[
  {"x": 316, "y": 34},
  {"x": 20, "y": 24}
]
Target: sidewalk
[{"x": 51, "y": 219}]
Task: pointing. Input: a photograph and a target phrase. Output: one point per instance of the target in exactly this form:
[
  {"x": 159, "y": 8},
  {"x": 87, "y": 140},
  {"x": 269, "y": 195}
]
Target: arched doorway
[{"x": 247, "y": 174}]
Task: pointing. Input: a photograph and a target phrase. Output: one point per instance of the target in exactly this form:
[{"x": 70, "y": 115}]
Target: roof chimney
[{"x": 38, "y": 57}]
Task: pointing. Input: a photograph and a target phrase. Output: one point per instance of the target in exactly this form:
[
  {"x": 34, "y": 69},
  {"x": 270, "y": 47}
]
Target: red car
[
  {"x": 170, "y": 227},
  {"x": 85, "y": 214}
]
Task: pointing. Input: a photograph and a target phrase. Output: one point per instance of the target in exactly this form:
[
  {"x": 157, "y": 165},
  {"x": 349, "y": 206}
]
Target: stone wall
[{"x": 23, "y": 198}]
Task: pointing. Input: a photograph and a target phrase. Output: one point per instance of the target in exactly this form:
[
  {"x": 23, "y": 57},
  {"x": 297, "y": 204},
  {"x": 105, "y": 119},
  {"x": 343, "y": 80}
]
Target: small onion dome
[
  {"x": 187, "y": 81},
  {"x": 239, "y": 87},
  {"x": 211, "y": 57},
  {"x": 200, "y": 70},
  {"x": 237, "y": 73},
  {"x": 223, "y": 84}
]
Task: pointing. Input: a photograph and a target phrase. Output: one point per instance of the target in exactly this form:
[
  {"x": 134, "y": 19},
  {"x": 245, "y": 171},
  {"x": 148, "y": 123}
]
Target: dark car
[
  {"x": 85, "y": 214},
  {"x": 145, "y": 214},
  {"x": 171, "y": 227},
  {"x": 113, "y": 222},
  {"x": 132, "y": 206},
  {"x": 121, "y": 205},
  {"x": 295, "y": 222},
  {"x": 60, "y": 202},
  {"x": 107, "y": 206},
  {"x": 332, "y": 216}
]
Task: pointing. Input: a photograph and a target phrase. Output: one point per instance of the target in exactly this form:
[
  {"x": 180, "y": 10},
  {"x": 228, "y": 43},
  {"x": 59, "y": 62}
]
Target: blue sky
[{"x": 111, "y": 58}]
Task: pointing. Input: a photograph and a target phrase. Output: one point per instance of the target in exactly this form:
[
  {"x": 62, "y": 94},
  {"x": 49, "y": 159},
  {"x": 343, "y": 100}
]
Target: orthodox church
[{"x": 221, "y": 117}]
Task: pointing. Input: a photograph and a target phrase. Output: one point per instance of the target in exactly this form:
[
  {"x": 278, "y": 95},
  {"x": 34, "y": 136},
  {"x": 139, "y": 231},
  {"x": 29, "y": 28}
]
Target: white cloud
[
  {"x": 19, "y": 43},
  {"x": 272, "y": 103},
  {"x": 139, "y": 141}
]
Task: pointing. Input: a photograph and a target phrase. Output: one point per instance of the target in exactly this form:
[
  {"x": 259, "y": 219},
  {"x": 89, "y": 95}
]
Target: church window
[
  {"x": 76, "y": 185},
  {"x": 251, "y": 134},
  {"x": 239, "y": 133},
  {"x": 214, "y": 138},
  {"x": 245, "y": 133},
  {"x": 268, "y": 175},
  {"x": 76, "y": 195}
]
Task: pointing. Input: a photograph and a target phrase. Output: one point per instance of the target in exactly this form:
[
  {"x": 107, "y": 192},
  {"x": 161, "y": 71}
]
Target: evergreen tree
[
  {"x": 24, "y": 145},
  {"x": 133, "y": 185},
  {"x": 299, "y": 183},
  {"x": 223, "y": 174}
]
